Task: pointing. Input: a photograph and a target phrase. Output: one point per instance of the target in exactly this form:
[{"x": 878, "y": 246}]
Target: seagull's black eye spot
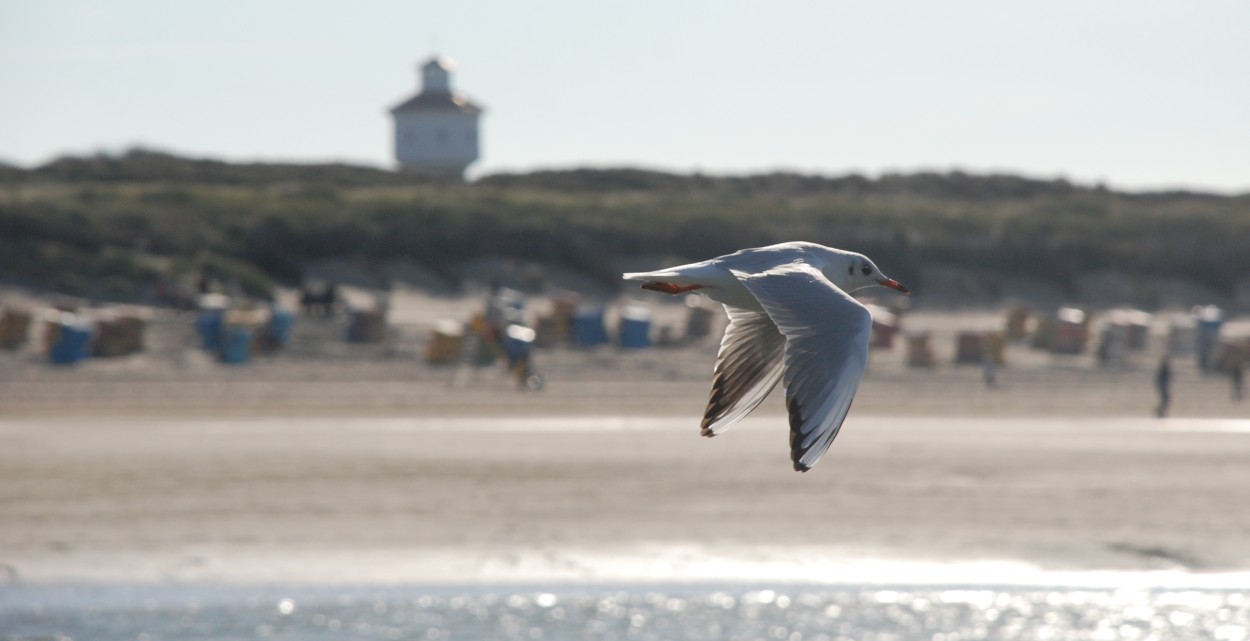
[
  {"x": 850, "y": 270},
  {"x": 866, "y": 270}
]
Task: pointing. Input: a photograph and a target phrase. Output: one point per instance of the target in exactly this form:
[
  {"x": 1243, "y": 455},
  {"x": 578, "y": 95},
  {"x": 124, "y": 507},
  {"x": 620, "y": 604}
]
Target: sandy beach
[{"x": 369, "y": 466}]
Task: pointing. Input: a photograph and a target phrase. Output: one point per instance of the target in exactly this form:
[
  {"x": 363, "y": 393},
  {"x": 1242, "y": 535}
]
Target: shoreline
[{"x": 657, "y": 564}]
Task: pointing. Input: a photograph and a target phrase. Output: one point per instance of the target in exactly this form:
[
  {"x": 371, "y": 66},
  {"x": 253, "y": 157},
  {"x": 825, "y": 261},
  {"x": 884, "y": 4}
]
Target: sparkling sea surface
[{"x": 636, "y": 612}]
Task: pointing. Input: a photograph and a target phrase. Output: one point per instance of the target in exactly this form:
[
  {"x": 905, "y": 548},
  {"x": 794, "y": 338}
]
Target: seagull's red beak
[{"x": 893, "y": 284}]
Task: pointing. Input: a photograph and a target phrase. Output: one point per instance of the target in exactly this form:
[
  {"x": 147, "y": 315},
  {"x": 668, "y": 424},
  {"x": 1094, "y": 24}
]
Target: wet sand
[{"x": 577, "y": 497}]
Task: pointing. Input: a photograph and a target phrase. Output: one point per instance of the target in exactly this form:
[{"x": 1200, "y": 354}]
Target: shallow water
[{"x": 571, "y": 612}]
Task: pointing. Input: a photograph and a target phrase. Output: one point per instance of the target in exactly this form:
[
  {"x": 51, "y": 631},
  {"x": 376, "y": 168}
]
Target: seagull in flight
[{"x": 790, "y": 318}]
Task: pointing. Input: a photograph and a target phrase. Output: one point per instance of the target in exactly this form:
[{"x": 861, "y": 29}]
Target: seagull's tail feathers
[{"x": 665, "y": 275}]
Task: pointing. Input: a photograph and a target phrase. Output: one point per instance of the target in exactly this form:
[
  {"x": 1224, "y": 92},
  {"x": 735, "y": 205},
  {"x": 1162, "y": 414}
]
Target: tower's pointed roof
[{"x": 441, "y": 97}]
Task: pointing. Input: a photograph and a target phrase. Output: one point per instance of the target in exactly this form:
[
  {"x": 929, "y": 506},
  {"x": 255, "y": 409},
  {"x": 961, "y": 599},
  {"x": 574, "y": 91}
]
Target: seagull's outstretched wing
[
  {"x": 748, "y": 367},
  {"x": 826, "y": 351}
]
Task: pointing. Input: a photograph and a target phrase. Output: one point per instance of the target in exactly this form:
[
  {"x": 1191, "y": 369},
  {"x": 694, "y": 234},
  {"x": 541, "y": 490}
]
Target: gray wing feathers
[
  {"x": 748, "y": 367},
  {"x": 825, "y": 354}
]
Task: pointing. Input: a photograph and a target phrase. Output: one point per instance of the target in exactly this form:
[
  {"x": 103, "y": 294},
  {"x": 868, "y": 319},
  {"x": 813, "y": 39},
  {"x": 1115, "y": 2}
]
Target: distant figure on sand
[
  {"x": 1163, "y": 384},
  {"x": 319, "y": 299},
  {"x": 989, "y": 371}
]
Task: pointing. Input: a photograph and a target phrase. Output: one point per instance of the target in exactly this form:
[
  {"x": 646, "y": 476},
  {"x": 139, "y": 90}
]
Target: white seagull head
[{"x": 851, "y": 271}]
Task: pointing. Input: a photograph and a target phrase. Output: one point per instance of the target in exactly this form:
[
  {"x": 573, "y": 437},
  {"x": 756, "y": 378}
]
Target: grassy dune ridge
[{"x": 114, "y": 225}]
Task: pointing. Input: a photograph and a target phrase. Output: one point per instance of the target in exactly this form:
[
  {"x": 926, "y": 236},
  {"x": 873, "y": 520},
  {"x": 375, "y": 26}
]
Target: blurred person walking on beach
[
  {"x": 989, "y": 371},
  {"x": 1163, "y": 384}
]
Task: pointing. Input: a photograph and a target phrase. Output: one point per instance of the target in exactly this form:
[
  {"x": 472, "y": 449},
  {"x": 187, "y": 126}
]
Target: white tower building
[{"x": 436, "y": 131}]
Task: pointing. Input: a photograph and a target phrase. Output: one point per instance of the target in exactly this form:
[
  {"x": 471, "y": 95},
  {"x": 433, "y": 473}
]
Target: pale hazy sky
[{"x": 1138, "y": 94}]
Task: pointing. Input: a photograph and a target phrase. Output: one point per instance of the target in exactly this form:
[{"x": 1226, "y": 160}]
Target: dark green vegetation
[{"x": 113, "y": 226}]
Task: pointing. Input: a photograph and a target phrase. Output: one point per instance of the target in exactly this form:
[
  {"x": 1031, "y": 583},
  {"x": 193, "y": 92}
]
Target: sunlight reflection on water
[{"x": 792, "y": 613}]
